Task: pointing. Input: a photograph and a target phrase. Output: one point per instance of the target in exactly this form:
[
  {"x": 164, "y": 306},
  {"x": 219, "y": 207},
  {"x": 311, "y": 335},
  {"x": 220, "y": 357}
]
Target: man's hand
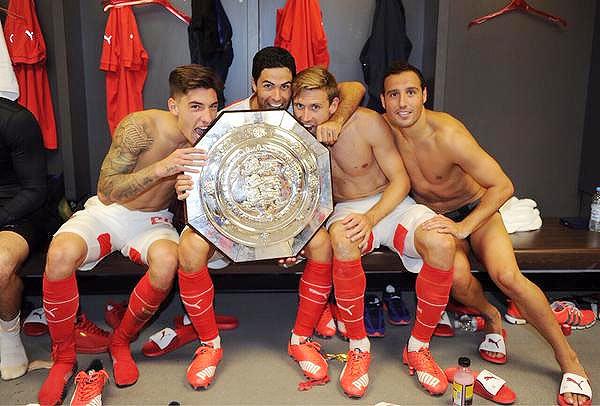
[
  {"x": 328, "y": 132},
  {"x": 291, "y": 261},
  {"x": 183, "y": 185},
  {"x": 444, "y": 225},
  {"x": 358, "y": 229},
  {"x": 180, "y": 160}
]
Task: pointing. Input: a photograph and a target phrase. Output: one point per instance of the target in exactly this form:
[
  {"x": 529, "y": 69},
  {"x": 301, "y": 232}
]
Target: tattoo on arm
[{"x": 118, "y": 182}]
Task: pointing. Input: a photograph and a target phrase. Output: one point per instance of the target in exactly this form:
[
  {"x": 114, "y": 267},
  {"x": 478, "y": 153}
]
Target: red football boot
[
  {"x": 202, "y": 370},
  {"x": 89, "y": 338},
  {"x": 308, "y": 356},
  {"x": 429, "y": 373},
  {"x": 354, "y": 378},
  {"x": 89, "y": 385}
]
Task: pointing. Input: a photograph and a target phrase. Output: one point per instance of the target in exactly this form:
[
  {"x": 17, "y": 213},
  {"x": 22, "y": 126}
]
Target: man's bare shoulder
[
  {"x": 448, "y": 130},
  {"x": 365, "y": 118}
]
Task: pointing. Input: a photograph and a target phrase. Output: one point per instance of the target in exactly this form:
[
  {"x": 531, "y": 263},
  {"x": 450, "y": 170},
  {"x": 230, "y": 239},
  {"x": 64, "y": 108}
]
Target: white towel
[
  {"x": 9, "y": 87},
  {"x": 520, "y": 215}
]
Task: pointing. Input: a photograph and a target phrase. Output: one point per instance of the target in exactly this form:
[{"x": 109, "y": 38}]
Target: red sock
[
  {"x": 60, "y": 301},
  {"x": 143, "y": 303},
  {"x": 349, "y": 282},
  {"x": 314, "y": 289},
  {"x": 432, "y": 288},
  {"x": 197, "y": 294}
]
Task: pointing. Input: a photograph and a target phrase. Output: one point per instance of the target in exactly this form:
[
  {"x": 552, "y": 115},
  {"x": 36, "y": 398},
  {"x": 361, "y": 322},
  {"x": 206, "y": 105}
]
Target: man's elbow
[
  {"x": 104, "y": 195},
  {"x": 508, "y": 189},
  {"x": 355, "y": 87}
]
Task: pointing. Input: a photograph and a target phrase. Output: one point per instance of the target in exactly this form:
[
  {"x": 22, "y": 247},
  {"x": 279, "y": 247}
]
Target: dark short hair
[
  {"x": 184, "y": 78},
  {"x": 272, "y": 57},
  {"x": 398, "y": 67}
]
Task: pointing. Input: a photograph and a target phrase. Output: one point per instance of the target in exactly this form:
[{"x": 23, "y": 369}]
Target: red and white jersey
[
  {"x": 299, "y": 29},
  {"x": 126, "y": 64},
  {"x": 27, "y": 50},
  {"x": 9, "y": 87}
]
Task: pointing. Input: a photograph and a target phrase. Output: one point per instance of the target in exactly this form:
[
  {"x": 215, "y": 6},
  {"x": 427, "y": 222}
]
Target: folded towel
[{"x": 520, "y": 215}]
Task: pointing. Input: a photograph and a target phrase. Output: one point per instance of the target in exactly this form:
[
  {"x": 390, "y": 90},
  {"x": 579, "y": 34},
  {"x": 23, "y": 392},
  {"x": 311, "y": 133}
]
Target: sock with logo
[
  {"x": 315, "y": 286},
  {"x": 432, "y": 288},
  {"x": 350, "y": 283}
]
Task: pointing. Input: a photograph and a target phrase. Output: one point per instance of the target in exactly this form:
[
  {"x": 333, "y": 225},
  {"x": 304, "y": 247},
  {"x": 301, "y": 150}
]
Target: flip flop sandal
[
  {"x": 488, "y": 386},
  {"x": 444, "y": 327},
  {"x": 494, "y": 342},
  {"x": 168, "y": 339},
  {"x": 35, "y": 324},
  {"x": 573, "y": 383},
  {"x": 223, "y": 322}
]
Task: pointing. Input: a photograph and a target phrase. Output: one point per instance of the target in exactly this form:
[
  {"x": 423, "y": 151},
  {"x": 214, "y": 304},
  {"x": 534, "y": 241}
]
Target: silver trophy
[{"x": 266, "y": 189}]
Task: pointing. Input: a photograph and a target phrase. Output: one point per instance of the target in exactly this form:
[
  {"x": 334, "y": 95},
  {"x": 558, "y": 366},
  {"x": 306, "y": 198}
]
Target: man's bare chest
[{"x": 351, "y": 159}]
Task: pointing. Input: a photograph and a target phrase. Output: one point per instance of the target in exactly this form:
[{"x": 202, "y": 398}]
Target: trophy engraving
[{"x": 266, "y": 181}]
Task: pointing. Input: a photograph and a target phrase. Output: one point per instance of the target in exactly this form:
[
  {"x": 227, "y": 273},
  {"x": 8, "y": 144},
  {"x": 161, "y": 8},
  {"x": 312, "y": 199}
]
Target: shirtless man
[
  {"x": 129, "y": 214},
  {"x": 454, "y": 176},
  {"x": 273, "y": 69},
  {"x": 370, "y": 188}
]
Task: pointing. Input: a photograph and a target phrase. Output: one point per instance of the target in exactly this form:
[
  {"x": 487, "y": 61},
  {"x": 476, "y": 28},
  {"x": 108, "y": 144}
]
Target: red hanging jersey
[
  {"x": 126, "y": 64},
  {"x": 299, "y": 29},
  {"x": 27, "y": 50}
]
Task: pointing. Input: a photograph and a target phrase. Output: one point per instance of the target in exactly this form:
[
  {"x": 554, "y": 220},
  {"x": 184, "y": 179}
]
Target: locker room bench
[{"x": 553, "y": 248}]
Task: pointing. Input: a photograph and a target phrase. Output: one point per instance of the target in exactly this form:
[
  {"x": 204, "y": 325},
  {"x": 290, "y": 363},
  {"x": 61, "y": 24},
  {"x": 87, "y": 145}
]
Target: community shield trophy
[{"x": 266, "y": 188}]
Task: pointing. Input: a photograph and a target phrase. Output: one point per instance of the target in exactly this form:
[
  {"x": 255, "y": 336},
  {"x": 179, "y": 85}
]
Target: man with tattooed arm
[{"x": 129, "y": 214}]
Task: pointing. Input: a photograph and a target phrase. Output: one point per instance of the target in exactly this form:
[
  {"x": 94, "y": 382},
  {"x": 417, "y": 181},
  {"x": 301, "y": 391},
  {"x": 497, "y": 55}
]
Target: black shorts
[
  {"x": 459, "y": 214},
  {"x": 32, "y": 228}
]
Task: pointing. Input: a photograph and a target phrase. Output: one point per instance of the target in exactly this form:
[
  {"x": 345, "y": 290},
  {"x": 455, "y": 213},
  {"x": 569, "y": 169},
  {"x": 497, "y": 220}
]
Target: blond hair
[{"x": 316, "y": 78}]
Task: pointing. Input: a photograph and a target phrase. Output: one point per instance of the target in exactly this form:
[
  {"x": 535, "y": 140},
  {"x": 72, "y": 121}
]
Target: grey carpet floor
[{"x": 256, "y": 369}]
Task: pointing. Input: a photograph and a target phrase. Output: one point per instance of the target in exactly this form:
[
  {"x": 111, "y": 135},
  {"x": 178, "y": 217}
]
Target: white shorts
[
  {"x": 106, "y": 229},
  {"x": 218, "y": 260},
  {"x": 395, "y": 231}
]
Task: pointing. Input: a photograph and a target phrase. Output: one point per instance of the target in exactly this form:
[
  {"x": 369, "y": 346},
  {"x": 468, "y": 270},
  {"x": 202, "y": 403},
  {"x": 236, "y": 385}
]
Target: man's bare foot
[
  {"x": 493, "y": 324},
  {"x": 576, "y": 399}
]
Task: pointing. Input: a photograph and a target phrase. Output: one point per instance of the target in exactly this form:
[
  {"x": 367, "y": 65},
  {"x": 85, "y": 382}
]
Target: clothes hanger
[
  {"x": 10, "y": 13},
  {"x": 519, "y": 5},
  {"x": 165, "y": 3}
]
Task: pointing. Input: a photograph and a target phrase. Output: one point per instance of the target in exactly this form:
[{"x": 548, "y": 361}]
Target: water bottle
[
  {"x": 469, "y": 322},
  {"x": 595, "y": 212},
  {"x": 462, "y": 385}
]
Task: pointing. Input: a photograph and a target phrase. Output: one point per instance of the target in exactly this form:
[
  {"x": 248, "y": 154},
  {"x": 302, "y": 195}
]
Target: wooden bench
[{"x": 553, "y": 248}]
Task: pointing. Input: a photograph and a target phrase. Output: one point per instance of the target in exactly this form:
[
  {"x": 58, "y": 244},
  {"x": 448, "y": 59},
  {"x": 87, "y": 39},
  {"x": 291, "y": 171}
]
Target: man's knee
[
  {"x": 319, "y": 247},
  {"x": 64, "y": 256},
  {"x": 343, "y": 248},
  {"x": 507, "y": 278},
  {"x": 436, "y": 248},
  {"x": 9, "y": 263},
  {"x": 162, "y": 262},
  {"x": 162, "y": 254},
  {"x": 461, "y": 280},
  {"x": 7, "y": 274},
  {"x": 193, "y": 251}
]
